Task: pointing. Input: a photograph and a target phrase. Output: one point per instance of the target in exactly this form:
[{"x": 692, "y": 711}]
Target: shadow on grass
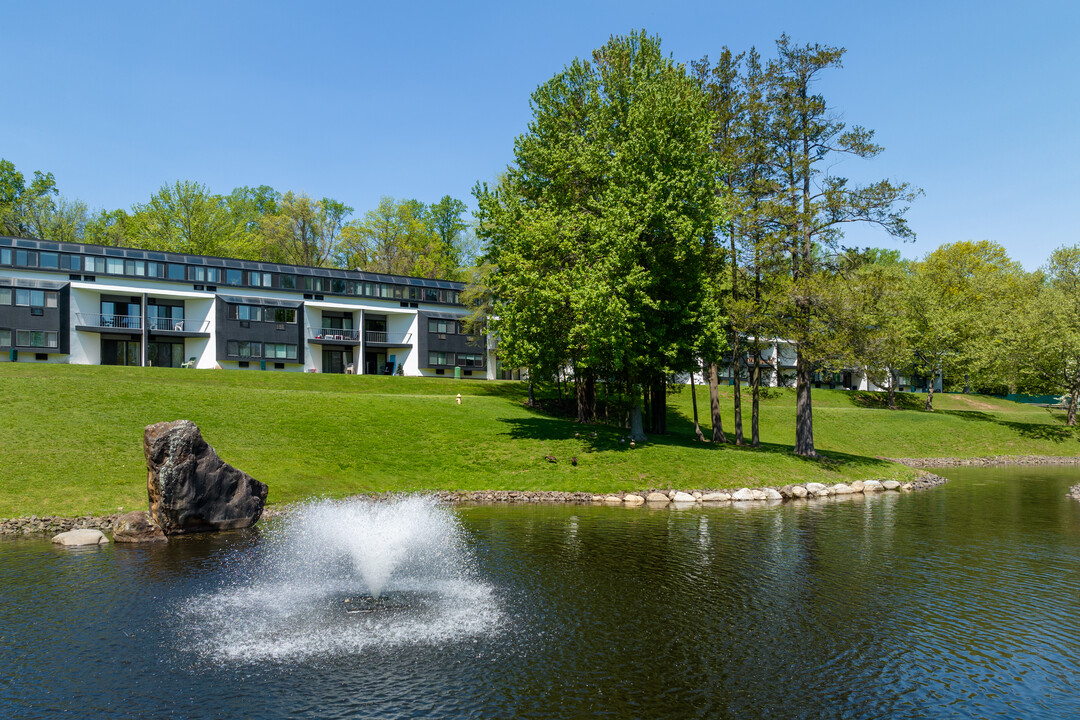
[
  {"x": 880, "y": 400},
  {"x": 608, "y": 439}
]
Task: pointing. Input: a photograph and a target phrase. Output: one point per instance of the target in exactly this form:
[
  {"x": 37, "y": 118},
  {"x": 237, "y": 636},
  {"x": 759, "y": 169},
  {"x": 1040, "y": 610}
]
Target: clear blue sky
[{"x": 975, "y": 102}]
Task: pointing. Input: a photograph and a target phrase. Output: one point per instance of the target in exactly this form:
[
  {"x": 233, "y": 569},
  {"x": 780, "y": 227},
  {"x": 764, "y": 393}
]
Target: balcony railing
[
  {"x": 377, "y": 336},
  {"x": 101, "y": 320},
  {"x": 334, "y": 334},
  {"x": 174, "y": 325}
]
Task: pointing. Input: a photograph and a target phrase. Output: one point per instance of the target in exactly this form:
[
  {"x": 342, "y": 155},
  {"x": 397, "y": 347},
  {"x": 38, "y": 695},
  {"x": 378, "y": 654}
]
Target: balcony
[
  {"x": 378, "y": 337},
  {"x": 178, "y": 328},
  {"x": 333, "y": 336},
  {"x": 99, "y": 322}
]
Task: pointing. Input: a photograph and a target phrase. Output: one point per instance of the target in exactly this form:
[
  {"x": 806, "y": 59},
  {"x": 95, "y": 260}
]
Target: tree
[
  {"x": 185, "y": 217},
  {"x": 1046, "y": 338},
  {"x": 60, "y": 220},
  {"x": 396, "y": 237},
  {"x": 108, "y": 227},
  {"x": 598, "y": 230},
  {"x": 23, "y": 206},
  {"x": 813, "y": 207},
  {"x": 304, "y": 231}
]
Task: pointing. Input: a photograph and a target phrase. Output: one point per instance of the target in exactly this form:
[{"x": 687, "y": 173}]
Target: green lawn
[{"x": 70, "y": 439}]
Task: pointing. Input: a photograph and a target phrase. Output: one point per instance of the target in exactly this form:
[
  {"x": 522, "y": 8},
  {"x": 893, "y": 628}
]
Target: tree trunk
[
  {"x": 637, "y": 434},
  {"x": 646, "y": 394},
  {"x": 967, "y": 383},
  {"x": 532, "y": 397},
  {"x": 714, "y": 405},
  {"x": 1070, "y": 417},
  {"x": 929, "y": 407},
  {"x": 892, "y": 389},
  {"x": 693, "y": 398},
  {"x": 590, "y": 397},
  {"x": 659, "y": 406},
  {"x": 804, "y": 413},
  {"x": 579, "y": 396},
  {"x": 736, "y": 371},
  {"x": 755, "y": 386}
]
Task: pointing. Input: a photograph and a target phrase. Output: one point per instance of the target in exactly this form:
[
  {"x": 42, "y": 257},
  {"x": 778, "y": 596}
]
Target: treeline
[
  {"x": 404, "y": 237},
  {"x": 659, "y": 214}
]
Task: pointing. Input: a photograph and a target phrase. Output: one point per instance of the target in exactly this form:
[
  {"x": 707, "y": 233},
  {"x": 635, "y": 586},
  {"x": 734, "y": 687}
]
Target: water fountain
[{"x": 340, "y": 577}]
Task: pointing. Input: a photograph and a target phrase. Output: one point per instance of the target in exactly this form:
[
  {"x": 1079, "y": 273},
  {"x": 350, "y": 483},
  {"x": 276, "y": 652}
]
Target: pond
[{"x": 955, "y": 602}]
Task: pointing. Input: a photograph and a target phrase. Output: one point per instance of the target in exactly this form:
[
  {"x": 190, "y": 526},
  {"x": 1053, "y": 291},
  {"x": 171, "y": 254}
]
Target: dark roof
[{"x": 231, "y": 263}]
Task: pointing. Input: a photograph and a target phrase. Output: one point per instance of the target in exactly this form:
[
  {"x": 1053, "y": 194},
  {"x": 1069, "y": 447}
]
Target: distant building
[{"x": 95, "y": 305}]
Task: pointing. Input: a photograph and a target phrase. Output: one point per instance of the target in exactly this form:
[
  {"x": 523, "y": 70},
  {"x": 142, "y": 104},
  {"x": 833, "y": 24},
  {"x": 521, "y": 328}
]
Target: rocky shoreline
[{"x": 34, "y": 525}]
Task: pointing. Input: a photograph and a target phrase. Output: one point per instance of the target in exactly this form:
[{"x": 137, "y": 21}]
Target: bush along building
[{"x": 95, "y": 305}]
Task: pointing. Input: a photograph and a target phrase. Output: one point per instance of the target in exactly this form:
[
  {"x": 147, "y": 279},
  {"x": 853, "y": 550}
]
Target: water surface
[{"x": 955, "y": 602}]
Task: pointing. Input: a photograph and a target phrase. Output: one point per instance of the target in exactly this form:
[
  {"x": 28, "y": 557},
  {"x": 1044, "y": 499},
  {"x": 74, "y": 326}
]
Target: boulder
[
  {"x": 742, "y": 495},
  {"x": 135, "y": 527},
  {"x": 715, "y": 497},
  {"x": 190, "y": 488},
  {"x": 633, "y": 499},
  {"x": 657, "y": 498},
  {"x": 612, "y": 499},
  {"x": 857, "y": 486},
  {"x": 814, "y": 488},
  {"x": 872, "y": 486},
  {"x": 785, "y": 492},
  {"x": 73, "y": 538},
  {"x": 798, "y": 491},
  {"x": 842, "y": 489},
  {"x": 773, "y": 494},
  {"x": 759, "y": 494},
  {"x": 681, "y": 497},
  {"x": 891, "y": 485}
]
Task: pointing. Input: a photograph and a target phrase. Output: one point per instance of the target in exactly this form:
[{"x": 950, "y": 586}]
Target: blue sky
[{"x": 975, "y": 102}]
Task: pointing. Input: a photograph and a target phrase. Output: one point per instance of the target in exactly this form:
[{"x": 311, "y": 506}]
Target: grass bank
[{"x": 70, "y": 436}]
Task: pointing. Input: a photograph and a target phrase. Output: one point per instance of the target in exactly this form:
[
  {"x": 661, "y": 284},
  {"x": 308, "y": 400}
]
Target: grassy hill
[{"x": 70, "y": 436}]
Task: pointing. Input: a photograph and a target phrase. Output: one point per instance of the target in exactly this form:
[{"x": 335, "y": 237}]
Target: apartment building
[{"x": 89, "y": 304}]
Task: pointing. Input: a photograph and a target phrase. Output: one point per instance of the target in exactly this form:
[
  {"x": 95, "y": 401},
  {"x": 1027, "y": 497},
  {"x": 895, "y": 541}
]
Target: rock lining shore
[{"x": 992, "y": 461}]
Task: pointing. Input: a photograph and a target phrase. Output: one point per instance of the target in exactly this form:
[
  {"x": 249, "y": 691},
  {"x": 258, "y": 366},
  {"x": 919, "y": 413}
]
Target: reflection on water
[{"x": 956, "y": 602}]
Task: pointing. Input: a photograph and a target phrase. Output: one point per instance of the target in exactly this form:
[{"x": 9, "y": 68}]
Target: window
[
  {"x": 245, "y": 312},
  {"x": 94, "y": 265},
  {"x": 202, "y": 274},
  {"x": 399, "y": 292},
  {"x": 71, "y": 262},
  {"x": 114, "y": 266},
  {"x": 35, "y": 298},
  {"x": 5, "y": 256},
  {"x": 5, "y": 338},
  {"x": 135, "y": 267},
  {"x": 49, "y": 260},
  {"x": 285, "y": 315},
  {"x": 259, "y": 279},
  {"x": 175, "y": 272},
  {"x": 243, "y": 348},
  {"x": 431, "y": 295},
  {"x": 337, "y": 287},
  {"x": 281, "y": 351},
  {"x": 316, "y": 284},
  {"x": 442, "y": 326},
  {"x": 35, "y": 338},
  {"x": 5, "y": 296},
  {"x": 233, "y": 277},
  {"x": 440, "y": 358},
  {"x": 26, "y": 258},
  {"x": 288, "y": 282},
  {"x": 470, "y": 359}
]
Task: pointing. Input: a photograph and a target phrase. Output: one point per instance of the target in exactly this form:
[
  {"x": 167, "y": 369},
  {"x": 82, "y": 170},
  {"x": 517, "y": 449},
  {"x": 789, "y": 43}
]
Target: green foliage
[
  {"x": 597, "y": 231},
  {"x": 23, "y": 208}
]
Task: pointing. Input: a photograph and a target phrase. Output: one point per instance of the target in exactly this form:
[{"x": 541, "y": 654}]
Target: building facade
[{"x": 95, "y": 305}]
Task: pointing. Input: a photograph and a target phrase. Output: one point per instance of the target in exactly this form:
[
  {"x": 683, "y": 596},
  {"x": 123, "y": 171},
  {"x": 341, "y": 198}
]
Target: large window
[
  {"x": 5, "y": 296},
  {"x": 175, "y": 271},
  {"x": 35, "y": 298},
  {"x": 5, "y": 256},
  {"x": 281, "y": 351},
  {"x": 285, "y": 315},
  {"x": 94, "y": 264},
  {"x": 437, "y": 325},
  {"x": 135, "y": 267},
  {"x": 440, "y": 358},
  {"x": 288, "y": 282},
  {"x": 114, "y": 266},
  {"x": 470, "y": 359},
  {"x": 234, "y": 277},
  {"x": 48, "y": 260},
  {"x": 244, "y": 349},
  {"x": 259, "y": 279},
  {"x": 246, "y": 312},
  {"x": 35, "y": 338},
  {"x": 26, "y": 258},
  {"x": 5, "y": 338}
]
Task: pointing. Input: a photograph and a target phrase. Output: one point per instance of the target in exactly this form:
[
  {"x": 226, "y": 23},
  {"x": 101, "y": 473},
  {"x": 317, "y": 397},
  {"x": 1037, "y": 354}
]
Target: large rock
[
  {"x": 655, "y": 498},
  {"x": 683, "y": 497},
  {"x": 81, "y": 537},
  {"x": 135, "y": 527},
  {"x": 742, "y": 495},
  {"x": 633, "y": 499},
  {"x": 191, "y": 489}
]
